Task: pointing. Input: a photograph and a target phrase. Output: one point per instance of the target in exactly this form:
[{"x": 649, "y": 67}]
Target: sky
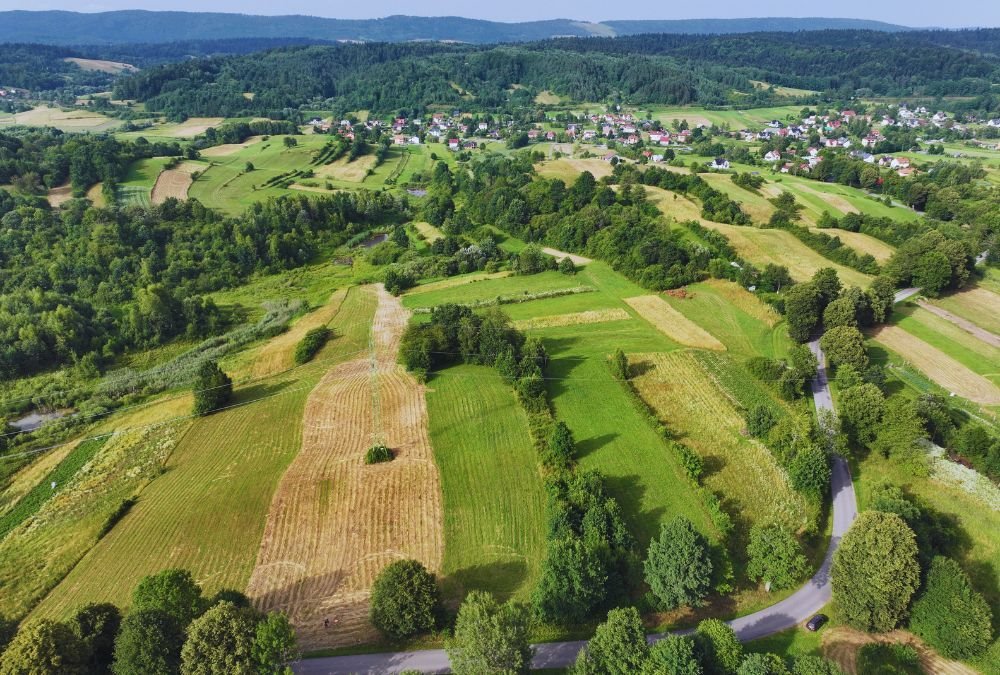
[{"x": 916, "y": 13}]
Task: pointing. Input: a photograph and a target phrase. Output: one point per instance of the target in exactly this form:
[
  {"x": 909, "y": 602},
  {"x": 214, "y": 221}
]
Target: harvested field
[
  {"x": 573, "y": 319},
  {"x": 745, "y": 301},
  {"x": 742, "y": 471},
  {"x": 969, "y": 327},
  {"x": 578, "y": 260},
  {"x": 335, "y": 522},
  {"x": 67, "y": 120},
  {"x": 352, "y": 172},
  {"x": 976, "y": 304},
  {"x": 278, "y": 354},
  {"x": 174, "y": 182},
  {"x": 862, "y": 243},
  {"x": 546, "y": 97},
  {"x": 194, "y": 126},
  {"x": 227, "y": 149},
  {"x": 938, "y": 366},
  {"x": 97, "y": 65},
  {"x": 672, "y": 323},
  {"x": 60, "y": 195},
  {"x": 761, "y": 246},
  {"x": 841, "y": 645},
  {"x": 96, "y": 195}
]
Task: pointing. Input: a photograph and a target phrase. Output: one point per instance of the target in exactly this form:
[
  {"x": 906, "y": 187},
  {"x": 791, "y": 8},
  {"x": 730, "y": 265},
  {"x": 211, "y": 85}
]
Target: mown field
[
  {"x": 734, "y": 119},
  {"x": 494, "y": 502},
  {"x": 139, "y": 181},
  {"x": 206, "y": 511}
]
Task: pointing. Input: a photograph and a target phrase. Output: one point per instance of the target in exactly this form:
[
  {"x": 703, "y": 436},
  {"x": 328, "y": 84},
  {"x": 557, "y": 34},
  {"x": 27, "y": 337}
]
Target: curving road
[{"x": 786, "y": 614}]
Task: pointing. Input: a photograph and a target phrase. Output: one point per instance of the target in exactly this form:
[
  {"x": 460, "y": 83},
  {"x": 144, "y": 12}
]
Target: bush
[
  {"x": 311, "y": 343},
  {"x": 760, "y": 419},
  {"x": 378, "y": 453},
  {"x": 212, "y": 389},
  {"x": 950, "y": 614},
  {"x": 692, "y": 462},
  {"x": 404, "y": 600}
]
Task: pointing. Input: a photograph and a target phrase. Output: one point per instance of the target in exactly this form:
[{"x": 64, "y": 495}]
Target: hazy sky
[{"x": 906, "y": 12}]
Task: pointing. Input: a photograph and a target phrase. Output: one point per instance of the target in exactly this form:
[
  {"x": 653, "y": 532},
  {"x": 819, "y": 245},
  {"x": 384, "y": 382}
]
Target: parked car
[{"x": 815, "y": 623}]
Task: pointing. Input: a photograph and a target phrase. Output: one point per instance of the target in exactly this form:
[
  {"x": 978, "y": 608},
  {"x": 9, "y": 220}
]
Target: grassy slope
[
  {"x": 207, "y": 512},
  {"x": 139, "y": 180},
  {"x": 494, "y": 502},
  {"x": 978, "y": 356}
]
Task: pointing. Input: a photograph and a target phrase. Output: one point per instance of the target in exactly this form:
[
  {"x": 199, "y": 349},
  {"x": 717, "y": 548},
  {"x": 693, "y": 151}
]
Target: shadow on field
[
  {"x": 257, "y": 391},
  {"x": 589, "y": 445},
  {"x": 628, "y": 491},
  {"x": 503, "y": 578}
]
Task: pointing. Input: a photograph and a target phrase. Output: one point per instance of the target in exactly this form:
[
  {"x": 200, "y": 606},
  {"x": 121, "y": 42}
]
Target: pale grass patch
[
  {"x": 745, "y": 301},
  {"x": 573, "y": 319},
  {"x": 672, "y": 323},
  {"x": 352, "y": 172},
  {"x": 578, "y": 260},
  {"x": 741, "y": 470},
  {"x": 430, "y": 233},
  {"x": 938, "y": 366},
  {"x": 451, "y": 282}
]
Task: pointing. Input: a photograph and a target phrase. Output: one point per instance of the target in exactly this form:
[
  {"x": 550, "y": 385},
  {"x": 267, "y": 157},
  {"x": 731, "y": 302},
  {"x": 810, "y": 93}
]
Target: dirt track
[{"x": 335, "y": 522}]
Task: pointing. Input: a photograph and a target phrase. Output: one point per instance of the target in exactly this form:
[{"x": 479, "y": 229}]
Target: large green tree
[
  {"x": 44, "y": 647},
  {"x": 875, "y": 571},
  {"x": 678, "y": 566},
  {"x": 97, "y": 626},
  {"x": 490, "y": 637},
  {"x": 802, "y": 310},
  {"x": 845, "y": 345},
  {"x": 950, "y": 614},
  {"x": 172, "y": 591},
  {"x": 619, "y": 644},
  {"x": 572, "y": 583},
  {"x": 274, "y": 644},
  {"x": 719, "y": 650},
  {"x": 148, "y": 643},
  {"x": 861, "y": 409},
  {"x": 220, "y": 642},
  {"x": 775, "y": 556},
  {"x": 404, "y": 599},
  {"x": 673, "y": 655}
]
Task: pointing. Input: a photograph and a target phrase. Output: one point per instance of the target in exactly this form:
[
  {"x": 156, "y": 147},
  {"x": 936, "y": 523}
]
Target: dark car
[{"x": 815, "y": 623}]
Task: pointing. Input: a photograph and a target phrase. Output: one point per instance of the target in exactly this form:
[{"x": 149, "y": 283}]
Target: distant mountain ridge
[{"x": 140, "y": 26}]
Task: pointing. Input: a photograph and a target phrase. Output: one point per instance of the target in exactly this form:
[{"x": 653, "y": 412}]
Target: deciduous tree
[
  {"x": 678, "y": 567},
  {"x": 490, "y": 637},
  {"x": 404, "y": 600}
]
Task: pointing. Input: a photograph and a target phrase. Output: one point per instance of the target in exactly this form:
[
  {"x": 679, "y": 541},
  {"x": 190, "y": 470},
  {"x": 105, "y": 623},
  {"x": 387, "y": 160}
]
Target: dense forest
[{"x": 671, "y": 69}]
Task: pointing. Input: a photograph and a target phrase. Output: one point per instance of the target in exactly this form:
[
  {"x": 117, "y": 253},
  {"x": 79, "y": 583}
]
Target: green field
[
  {"x": 494, "y": 502},
  {"x": 478, "y": 291},
  {"x": 735, "y": 119},
  {"x": 207, "y": 511},
  {"x": 139, "y": 181}
]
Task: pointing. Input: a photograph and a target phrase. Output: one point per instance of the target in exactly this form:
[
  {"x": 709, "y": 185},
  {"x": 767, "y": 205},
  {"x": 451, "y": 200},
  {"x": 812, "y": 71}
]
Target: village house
[
  {"x": 772, "y": 156},
  {"x": 453, "y": 143},
  {"x": 719, "y": 163}
]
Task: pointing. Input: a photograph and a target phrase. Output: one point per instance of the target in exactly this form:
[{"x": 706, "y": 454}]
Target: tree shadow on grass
[
  {"x": 502, "y": 578},
  {"x": 591, "y": 445},
  {"x": 258, "y": 391},
  {"x": 628, "y": 492}
]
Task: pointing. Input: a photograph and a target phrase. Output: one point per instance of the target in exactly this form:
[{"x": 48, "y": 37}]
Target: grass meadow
[{"x": 494, "y": 501}]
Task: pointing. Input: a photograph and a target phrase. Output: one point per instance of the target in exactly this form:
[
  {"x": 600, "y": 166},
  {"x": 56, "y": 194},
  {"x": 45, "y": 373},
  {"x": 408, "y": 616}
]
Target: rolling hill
[{"x": 137, "y": 26}]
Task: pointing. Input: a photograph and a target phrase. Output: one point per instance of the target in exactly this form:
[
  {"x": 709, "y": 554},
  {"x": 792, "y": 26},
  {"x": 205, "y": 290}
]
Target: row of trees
[{"x": 171, "y": 628}]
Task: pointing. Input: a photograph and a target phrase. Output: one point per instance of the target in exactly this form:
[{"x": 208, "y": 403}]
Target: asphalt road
[{"x": 792, "y": 611}]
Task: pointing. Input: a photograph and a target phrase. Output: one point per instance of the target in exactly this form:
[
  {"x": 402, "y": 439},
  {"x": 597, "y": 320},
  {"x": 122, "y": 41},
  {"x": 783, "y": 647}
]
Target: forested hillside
[{"x": 638, "y": 70}]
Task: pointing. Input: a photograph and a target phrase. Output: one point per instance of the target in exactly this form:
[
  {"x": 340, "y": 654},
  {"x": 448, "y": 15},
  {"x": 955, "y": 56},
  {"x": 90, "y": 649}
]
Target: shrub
[
  {"x": 311, "y": 343},
  {"x": 404, "y": 599},
  {"x": 950, "y": 614},
  {"x": 759, "y": 420},
  {"x": 212, "y": 389},
  {"x": 378, "y": 453}
]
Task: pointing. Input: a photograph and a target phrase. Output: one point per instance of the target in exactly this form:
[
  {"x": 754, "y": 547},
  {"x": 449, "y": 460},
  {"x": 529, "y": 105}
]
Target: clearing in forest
[
  {"x": 938, "y": 366},
  {"x": 430, "y": 233},
  {"x": 193, "y": 126},
  {"x": 672, "y": 323},
  {"x": 569, "y": 169},
  {"x": 100, "y": 66},
  {"x": 743, "y": 472},
  {"x": 352, "y": 172},
  {"x": 578, "y": 260},
  {"x": 227, "y": 149},
  {"x": 334, "y": 521},
  {"x": 174, "y": 182},
  {"x": 60, "y": 195}
]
